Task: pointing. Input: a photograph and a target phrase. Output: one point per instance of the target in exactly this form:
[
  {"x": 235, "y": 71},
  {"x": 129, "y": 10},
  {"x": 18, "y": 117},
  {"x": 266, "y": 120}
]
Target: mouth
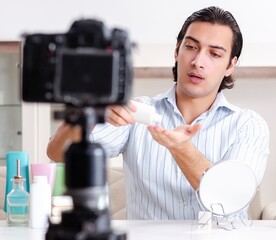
[{"x": 195, "y": 77}]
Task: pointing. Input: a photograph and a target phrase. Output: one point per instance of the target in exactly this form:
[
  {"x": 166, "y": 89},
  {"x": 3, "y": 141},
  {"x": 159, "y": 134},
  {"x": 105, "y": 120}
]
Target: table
[{"x": 161, "y": 230}]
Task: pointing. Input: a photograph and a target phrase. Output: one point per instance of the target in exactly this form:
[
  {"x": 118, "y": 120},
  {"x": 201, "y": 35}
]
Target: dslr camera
[
  {"x": 89, "y": 65},
  {"x": 87, "y": 68}
]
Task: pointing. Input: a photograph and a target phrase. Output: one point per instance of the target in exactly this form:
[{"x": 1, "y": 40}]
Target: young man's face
[{"x": 203, "y": 59}]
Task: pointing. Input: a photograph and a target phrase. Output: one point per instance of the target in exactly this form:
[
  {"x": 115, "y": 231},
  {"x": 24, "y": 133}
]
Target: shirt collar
[
  {"x": 219, "y": 102},
  {"x": 169, "y": 95}
]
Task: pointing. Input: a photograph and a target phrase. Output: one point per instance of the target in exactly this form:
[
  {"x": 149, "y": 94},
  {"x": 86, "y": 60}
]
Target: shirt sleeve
[
  {"x": 251, "y": 145},
  {"x": 113, "y": 139}
]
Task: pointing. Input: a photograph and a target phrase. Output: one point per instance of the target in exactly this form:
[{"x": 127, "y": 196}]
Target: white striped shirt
[{"x": 156, "y": 188}]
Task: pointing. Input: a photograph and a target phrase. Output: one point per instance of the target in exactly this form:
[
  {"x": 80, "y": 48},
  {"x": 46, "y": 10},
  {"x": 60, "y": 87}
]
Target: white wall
[{"x": 149, "y": 21}]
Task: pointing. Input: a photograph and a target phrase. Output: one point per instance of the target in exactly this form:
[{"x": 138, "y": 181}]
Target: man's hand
[
  {"x": 120, "y": 115},
  {"x": 174, "y": 139},
  {"x": 63, "y": 135}
]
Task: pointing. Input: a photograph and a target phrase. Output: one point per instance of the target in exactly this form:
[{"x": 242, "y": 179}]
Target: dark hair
[{"x": 214, "y": 15}]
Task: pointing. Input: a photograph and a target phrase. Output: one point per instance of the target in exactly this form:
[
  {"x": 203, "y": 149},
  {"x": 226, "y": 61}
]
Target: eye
[
  {"x": 215, "y": 55},
  {"x": 191, "y": 47}
]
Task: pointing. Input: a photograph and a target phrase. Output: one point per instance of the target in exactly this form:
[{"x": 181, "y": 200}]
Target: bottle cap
[
  {"x": 18, "y": 177},
  {"x": 40, "y": 179}
]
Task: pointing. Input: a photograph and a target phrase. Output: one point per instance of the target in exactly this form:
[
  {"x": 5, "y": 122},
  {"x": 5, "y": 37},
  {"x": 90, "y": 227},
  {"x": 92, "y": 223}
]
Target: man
[{"x": 163, "y": 164}]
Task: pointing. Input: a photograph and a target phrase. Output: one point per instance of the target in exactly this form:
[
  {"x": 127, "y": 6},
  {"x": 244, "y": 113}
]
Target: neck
[{"x": 191, "y": 108}]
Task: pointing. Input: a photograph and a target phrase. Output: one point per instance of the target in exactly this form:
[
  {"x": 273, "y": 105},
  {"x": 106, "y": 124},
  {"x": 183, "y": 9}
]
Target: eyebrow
[{"x": 212, "y": 46}]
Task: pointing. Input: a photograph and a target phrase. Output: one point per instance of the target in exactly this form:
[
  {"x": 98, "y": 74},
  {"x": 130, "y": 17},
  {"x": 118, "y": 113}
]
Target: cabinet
[
  {"x": 23, "y": 126},
  {"x": 10, "y": 104}
]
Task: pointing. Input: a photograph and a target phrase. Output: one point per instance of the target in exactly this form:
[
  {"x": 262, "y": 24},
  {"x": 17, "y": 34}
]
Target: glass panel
[{"x": 10, "y": 104}]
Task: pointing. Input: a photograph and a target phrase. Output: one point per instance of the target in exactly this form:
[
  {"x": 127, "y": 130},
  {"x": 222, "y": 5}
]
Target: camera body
[
  {"x": 90, "y": 65},
  {"x": 87, "y": 69}
]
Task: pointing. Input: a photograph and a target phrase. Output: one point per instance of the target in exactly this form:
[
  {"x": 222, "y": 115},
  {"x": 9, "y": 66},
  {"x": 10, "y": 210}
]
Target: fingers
[
  {"x": 119, "y": 115},
  {"x": 131, "y": 106},
  {"x": 192, "y": 129},
  {"x": 159, "y": 134},
  {"x": 174, "y": 137}
]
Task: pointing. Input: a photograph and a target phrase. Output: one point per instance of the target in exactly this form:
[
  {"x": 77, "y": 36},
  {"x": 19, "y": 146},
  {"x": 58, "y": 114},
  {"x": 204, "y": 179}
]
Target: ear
[
  {"x": 231, "y": 67},
  {"x": 175, "y": 51}
]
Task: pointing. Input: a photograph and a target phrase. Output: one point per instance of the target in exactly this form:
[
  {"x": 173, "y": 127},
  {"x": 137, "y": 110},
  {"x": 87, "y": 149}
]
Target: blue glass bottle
[{"x": 18, "y": 201}]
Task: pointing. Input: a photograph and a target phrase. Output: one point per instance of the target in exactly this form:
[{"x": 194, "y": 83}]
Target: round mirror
[{"x": 227, "y": 187}]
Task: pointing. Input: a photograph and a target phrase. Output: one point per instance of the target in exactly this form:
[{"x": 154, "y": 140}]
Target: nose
[{"x": 198, "y": 61}]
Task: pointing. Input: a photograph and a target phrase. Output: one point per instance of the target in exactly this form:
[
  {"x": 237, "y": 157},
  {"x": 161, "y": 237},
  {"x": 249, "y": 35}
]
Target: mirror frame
[{"x": 218, "y": 184}]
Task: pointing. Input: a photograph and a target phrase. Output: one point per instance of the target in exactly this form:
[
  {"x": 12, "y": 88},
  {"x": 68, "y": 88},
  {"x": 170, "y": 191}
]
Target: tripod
[{"x": 85, "y": 179}]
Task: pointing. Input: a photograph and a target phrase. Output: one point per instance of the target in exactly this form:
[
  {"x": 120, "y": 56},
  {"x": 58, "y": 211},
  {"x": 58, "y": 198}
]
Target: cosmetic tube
[{"x": 146, "y": 114}]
